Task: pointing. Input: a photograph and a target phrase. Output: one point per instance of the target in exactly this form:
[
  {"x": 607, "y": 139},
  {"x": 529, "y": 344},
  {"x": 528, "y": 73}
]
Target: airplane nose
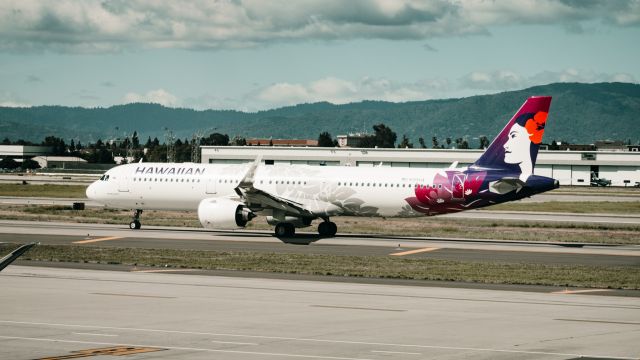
[{"x": 91, "y": 191}]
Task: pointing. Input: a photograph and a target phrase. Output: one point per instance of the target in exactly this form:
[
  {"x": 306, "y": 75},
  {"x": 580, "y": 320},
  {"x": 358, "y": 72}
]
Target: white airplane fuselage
[{"x": 324, "y": 190}]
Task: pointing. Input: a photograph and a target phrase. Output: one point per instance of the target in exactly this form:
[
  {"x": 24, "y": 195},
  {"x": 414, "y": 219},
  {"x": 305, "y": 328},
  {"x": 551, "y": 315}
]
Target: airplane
[{"x": 228, "y": 196}]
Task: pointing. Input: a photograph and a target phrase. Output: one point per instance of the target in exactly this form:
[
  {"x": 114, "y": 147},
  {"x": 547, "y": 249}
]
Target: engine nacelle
[
  {"x": 223, "y": 214},
  {"x": 298, "y": 222}
]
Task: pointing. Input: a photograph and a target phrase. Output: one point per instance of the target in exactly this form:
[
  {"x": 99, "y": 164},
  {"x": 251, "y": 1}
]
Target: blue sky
[{"x": 255, "y": 55}]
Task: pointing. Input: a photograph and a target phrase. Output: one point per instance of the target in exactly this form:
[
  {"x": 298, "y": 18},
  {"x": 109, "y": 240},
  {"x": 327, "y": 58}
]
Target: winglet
[{"x": 247, "y": 180}]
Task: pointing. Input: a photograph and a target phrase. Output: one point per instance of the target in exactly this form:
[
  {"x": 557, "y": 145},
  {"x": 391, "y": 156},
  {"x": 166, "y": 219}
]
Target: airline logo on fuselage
[{"x": 161, "y": 170}]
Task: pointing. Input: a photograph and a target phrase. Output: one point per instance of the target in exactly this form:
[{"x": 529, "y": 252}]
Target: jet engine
[{"x": 223, "y": 214}]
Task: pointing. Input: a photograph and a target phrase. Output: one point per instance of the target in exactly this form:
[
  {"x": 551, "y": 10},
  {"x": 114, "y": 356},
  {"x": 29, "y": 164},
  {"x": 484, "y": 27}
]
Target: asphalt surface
[
  {"x": 55, "y": 233},
  {"x": 63, "y": 313}
]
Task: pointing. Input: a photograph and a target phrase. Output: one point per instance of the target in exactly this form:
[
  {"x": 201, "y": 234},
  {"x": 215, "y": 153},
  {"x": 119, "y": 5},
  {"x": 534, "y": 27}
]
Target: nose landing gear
[{"x": 135, "y": 224}]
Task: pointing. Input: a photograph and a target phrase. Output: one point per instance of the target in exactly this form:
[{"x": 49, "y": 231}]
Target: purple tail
[{"x": 515, "y": 149}]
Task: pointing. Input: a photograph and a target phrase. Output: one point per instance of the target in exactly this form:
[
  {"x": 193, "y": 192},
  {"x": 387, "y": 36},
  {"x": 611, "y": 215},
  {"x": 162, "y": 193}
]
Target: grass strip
[
  {"x": 44, "y": 190},
  {"x": 492, "y": 272}
]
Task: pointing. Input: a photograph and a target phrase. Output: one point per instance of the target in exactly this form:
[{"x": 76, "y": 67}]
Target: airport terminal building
[{"x": 569, "y": 167}]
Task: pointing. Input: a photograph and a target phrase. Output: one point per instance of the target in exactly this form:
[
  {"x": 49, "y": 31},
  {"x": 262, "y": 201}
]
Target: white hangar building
[{"x": 569, "y": 167}]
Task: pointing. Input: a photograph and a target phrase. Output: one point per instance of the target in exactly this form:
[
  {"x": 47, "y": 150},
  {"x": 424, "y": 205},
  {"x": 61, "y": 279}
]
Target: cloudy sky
[{"x": 259, "y": 54}]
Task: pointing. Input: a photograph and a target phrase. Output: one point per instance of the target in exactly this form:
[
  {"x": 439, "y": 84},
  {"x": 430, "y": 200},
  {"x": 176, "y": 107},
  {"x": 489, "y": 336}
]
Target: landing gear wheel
[
  {"x": 135, "y": 223},
  {"x": 327, "y": 228},
  {"x": 285, "y": 230}
]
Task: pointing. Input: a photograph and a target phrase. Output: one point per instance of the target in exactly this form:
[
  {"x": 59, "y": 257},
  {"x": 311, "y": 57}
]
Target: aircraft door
[
  {"x": 123, "y": 184},
  {"x": 211, "y": 186},
  {"x": 457, "y": 186}
]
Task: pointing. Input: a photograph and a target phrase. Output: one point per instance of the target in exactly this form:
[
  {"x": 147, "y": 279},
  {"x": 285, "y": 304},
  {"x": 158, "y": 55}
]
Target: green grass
[
  {"x": 46, "y": 190},
  {"x": 493, "y": 272}
]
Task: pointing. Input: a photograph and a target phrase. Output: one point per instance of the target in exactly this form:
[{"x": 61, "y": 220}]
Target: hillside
[{"x": 580, "y": 113}]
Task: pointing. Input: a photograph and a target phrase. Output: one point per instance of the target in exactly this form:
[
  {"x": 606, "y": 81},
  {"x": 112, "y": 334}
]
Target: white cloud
[
  {"x": 509, "y": 80},
  {"x": 340, "y": 91},
  {"x": 158, "y": 96},
  {"x": 13, "y": 104},
  {"x": 9, "y": 99},
  {"x": 108, "y": 26}
]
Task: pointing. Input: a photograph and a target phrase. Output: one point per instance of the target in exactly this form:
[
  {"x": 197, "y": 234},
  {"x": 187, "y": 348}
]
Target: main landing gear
[
  {"x": 135, "y": 224},
  {"x": 285, "y": 230},
  {"x": 327, "y": 228},
  {"x": 288, "y": 230}
]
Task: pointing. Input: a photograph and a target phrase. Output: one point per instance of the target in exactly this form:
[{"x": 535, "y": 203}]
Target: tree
[
  {"x": 405, "y": 143},
  {"x": 239, "y": 141},
  {"x": 325, "y": 140},
  {"x": 135, "y": 141},
  {"x": 384, "y": 137},
  {"x": 6, "y": 141},
  {"x": 422, "y": 144},
  {"x": 9, "y": 163},
  {"x": 434, "y": 141},
  {"x": 484, "y": 142},
  {"x": 461, "y": 143},
  {"x": 216, "y": 139},
  {"x": 30, "y": 164},
  {"x": 57, "y": 145},
  {"x": 448, "y": 141}
]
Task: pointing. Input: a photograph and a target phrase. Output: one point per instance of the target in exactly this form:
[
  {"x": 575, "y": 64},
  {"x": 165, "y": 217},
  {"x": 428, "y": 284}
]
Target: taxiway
[{"x": 54, "y": 313}]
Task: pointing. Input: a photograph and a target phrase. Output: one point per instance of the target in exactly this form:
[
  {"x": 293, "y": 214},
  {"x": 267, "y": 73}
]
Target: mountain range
[{"x": 580, "y": 113}]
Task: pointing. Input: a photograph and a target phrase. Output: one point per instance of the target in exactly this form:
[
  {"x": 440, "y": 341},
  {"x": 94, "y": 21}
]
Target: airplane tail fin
[{"x": 516, "y": 146}]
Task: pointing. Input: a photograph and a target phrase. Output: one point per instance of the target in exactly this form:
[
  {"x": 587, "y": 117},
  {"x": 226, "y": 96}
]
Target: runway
[
  {"x": 56, "y": 233},
  {"x": 65, "y": 312}
]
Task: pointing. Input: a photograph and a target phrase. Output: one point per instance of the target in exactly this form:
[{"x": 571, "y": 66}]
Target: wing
[
  {"x": 5, "y": 261},
  {"x": 257, "y": 199}
]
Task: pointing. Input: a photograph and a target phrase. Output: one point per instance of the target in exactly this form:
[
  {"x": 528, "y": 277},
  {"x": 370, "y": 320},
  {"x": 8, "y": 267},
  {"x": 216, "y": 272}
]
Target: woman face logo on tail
[{"x": 525, "y": 133}]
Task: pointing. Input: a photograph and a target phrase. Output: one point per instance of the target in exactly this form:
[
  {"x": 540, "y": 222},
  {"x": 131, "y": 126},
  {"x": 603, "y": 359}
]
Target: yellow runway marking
[
  {"x": 579, "y": 291},
  {"x": 97, "y": 240},
  {"x": 416, "y": 251}
]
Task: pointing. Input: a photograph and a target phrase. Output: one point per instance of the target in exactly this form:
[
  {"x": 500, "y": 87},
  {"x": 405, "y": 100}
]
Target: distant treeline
[
  {"x": 580, "y": 114},
  {"x": 130, "y": 149}
]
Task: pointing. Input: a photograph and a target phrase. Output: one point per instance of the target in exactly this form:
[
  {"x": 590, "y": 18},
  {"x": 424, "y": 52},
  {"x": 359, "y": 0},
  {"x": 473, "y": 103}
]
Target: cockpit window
[{"x": 104, "y": 178}]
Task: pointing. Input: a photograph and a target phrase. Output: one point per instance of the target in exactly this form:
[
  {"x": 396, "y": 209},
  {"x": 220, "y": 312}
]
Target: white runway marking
[
  {"x": 395, "y": 352},
  {"x": 184, "y": 348},
  {"x": 94, "y": 334},
  {"x": 234, "y": 343},
  {"x": 416, "y": 346}
]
